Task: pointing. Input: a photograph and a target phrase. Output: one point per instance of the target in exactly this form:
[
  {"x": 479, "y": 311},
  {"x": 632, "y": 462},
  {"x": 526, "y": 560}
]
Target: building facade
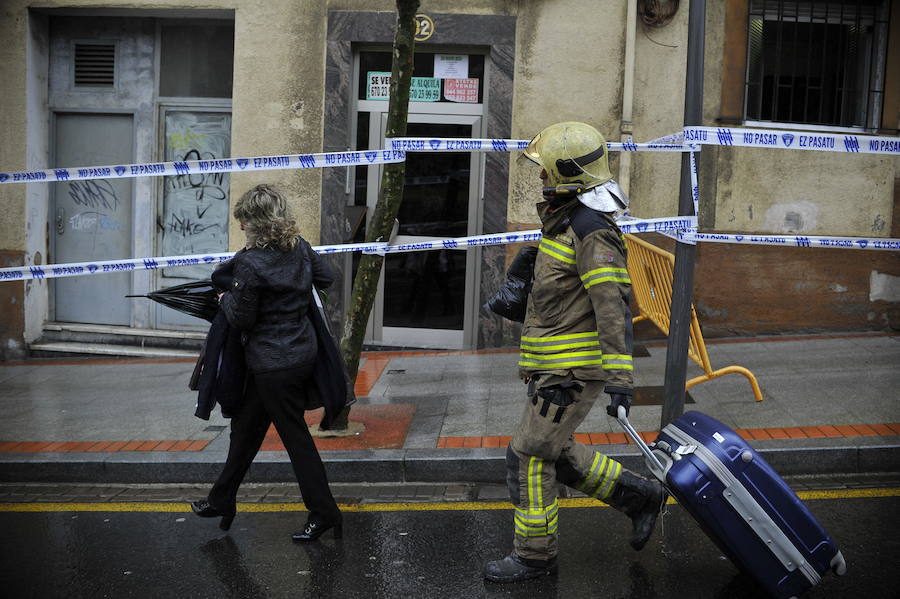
[{"x": 95, "y": 82}]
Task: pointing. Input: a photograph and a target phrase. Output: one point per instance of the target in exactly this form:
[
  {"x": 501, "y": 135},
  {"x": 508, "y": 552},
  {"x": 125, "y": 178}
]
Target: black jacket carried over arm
[{"x": 221, "y": 369}]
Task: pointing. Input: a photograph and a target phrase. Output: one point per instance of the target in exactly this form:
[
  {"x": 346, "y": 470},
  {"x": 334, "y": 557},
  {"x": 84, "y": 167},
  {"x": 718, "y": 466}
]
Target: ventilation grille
[{"x": 95, "y": 65}]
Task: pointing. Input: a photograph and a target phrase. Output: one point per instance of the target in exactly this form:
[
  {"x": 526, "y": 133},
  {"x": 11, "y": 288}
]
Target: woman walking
[{"x": 268, "y": 301}]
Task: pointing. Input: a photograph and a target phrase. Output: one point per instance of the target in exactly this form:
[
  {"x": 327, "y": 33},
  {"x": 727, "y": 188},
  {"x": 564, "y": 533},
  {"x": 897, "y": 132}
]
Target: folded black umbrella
[{"x": 198, "y": 298}]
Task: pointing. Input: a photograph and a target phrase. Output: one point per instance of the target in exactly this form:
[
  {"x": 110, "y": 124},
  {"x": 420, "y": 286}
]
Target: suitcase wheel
[{"x": 838, "y": 565}]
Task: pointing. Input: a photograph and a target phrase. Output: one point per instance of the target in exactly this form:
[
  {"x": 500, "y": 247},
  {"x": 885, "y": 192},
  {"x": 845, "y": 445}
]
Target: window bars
[{"x": 817, "y": 62}]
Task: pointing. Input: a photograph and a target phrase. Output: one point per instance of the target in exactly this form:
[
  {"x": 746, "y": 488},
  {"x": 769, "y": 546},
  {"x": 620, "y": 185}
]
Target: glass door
[
  {"x": 427, "y": 298},
  {"x": 194, "y": 209}
]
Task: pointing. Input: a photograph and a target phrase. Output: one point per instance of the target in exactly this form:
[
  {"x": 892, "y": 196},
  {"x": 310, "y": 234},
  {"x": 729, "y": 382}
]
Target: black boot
[
  {"x": 513, "y": 568},
  {"x": 641, "y": 500},
  {"x": 204, "y": 509}
]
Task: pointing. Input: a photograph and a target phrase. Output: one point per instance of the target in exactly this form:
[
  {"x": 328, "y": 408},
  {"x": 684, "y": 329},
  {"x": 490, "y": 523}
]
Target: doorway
[
  {"x": 427, "y": 298},
  {"x": 93, "y": 218}
]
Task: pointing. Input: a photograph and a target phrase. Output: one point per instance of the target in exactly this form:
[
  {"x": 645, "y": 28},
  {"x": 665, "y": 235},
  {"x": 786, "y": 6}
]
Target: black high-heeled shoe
[
  {"x": 314, "y": 530},
  {"x": 205, "y": 510}
]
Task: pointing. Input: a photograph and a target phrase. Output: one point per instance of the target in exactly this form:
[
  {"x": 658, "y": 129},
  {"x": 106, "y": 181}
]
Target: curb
[{"x": 815, "y": 457}]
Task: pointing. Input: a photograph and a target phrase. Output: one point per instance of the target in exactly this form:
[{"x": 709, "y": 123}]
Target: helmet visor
[
  {"x": 524, "y": 160},
  {"x": 531, "y": 154}
]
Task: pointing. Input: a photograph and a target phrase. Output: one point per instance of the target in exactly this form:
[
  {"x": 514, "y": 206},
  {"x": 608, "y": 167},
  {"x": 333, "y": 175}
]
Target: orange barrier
[{"x": 651, "y": 270}]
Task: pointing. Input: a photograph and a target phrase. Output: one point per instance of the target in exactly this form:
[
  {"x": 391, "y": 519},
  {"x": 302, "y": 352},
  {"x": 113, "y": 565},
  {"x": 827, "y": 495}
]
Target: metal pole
[{"x": 685, "y": 254}]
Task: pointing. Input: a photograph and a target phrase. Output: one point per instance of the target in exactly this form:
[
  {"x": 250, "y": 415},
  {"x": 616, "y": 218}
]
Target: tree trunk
[{"x": 390, "y": 195}]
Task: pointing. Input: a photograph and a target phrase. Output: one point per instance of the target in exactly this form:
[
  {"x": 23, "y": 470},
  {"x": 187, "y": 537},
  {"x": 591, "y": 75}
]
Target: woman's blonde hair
[{"x": 267, "y": 219}]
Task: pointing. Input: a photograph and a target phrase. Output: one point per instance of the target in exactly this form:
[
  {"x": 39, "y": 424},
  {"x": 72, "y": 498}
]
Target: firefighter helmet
[{"x": 573, "y": 154}]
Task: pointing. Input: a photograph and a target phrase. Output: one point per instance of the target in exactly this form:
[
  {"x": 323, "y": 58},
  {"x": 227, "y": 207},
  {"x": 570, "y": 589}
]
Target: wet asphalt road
[{"x": 420, "y": 553}]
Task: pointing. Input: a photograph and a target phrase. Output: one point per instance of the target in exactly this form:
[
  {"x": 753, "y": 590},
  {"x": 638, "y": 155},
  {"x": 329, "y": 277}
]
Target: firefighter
[{"x": 575, "y": 346}]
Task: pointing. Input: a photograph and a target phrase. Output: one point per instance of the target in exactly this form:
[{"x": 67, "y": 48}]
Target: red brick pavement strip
[
  {"x": 750, "y": 434},
  {"x": 830, "y": 431},
  {"x": 98, "y": 446}
]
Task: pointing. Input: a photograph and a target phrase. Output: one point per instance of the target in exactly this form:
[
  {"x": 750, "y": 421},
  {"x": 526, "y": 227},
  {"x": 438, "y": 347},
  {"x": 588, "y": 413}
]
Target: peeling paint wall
[
  {"x": 884, "y": 287},
  {"x": 814, "y": 193},
  {"x": 564, "y": 72}
]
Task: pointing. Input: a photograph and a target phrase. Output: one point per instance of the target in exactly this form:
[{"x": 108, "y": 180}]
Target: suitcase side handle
[{"x": 652, "y": 461}]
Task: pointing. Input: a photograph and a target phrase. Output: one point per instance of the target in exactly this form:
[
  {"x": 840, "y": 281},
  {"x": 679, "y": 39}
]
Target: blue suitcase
[{"x": 750, "y": 513}]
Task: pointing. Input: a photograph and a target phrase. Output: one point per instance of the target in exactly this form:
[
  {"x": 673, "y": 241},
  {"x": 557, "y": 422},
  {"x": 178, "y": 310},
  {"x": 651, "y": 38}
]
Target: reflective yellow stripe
[
  {"x": 531, "y": 482},
  {"x": 593, "y": 282},
  {"x": 571, "y": 354},
  {"x": 601, "y": 478},
  {"x": 590, "y": 343},
  {"x": 582, "y": 358},
  {"x": 552, "y": 349},
  {"x": 535, "y": 493},
  {"x": 557, "y": 250},
  {"x": 548, "y": 528},
  {"x": 560, "y": 246},
  {"x": 608, "y": 466},
  {"x": 531, "y": 516},
  {"x": 593, "y": 472},
  {"x": 609, "y": 273},
  {"x": 604, "y": 270},
  {"x": 572, "y": 364},
  {"x": 562, "y": 337},
  {"x": 617, "y": 362},
  {"x": 537, "y": 521},
  {"x": 610, "y": 481}
]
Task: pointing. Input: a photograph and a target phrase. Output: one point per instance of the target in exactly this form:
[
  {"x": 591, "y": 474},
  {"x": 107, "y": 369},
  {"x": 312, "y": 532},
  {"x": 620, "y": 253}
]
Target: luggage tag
[{"x": 676, "y": 454}]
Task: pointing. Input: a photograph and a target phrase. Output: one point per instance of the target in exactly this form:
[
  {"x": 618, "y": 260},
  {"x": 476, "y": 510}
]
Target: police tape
[
  {"x": 465, "y": 144},
  {"x": 203, "y": 167},
  {"x": 74, "y": 269},
  {"x": 800, "y": 241},
  {"x": 656, "y": 225},
  {"x": 454, "y": 144},
  {"x": 395, "y": 153},
  {"x": 695, "y": 184},
  {"x": 682, "y": 229},
  {"x": 792, "y": 140}
]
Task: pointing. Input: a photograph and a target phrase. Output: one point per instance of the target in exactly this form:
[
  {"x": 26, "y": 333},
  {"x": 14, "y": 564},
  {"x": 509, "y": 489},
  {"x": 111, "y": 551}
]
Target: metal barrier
[{"x": 651, "y": 270}]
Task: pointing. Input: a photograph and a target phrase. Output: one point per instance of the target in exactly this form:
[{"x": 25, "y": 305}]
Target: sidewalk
[{"x": 832, "y": 405}]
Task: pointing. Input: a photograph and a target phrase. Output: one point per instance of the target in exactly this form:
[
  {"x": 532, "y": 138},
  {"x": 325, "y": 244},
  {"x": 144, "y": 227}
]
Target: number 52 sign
[{"x": 424, "y": 27}]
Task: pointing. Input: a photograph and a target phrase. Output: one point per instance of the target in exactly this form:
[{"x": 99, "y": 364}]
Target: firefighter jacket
[{"x": 578, "y": 321}]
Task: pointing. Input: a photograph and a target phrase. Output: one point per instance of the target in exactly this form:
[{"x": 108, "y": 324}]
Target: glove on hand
[{"x": 616, "y": 400}]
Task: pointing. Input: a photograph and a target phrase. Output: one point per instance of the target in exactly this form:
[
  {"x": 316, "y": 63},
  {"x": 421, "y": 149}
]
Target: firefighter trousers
[{"x": 543, "y": 453}]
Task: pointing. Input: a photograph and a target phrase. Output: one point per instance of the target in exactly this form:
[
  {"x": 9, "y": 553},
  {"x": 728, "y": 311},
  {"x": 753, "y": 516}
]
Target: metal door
[
  {"x": 92, "y": 219},
  {"x": 427, "y": 298}
]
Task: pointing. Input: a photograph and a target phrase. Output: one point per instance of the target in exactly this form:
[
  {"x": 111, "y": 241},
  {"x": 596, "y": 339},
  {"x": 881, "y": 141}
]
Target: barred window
[{"x": 817, "y": 62}]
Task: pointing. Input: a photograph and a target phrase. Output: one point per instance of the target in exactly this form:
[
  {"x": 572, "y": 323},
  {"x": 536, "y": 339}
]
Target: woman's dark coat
[{"x": 284, "y": 335}]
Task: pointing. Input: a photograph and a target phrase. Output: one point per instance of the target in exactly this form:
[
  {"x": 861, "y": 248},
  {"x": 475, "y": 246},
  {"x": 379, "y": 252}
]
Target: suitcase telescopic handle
[{"x": 653, "y": 461}]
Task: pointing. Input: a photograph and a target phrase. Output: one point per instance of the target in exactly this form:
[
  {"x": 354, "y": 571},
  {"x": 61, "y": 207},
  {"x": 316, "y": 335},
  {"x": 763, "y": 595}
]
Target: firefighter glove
[{"x": 616, "y": 400}]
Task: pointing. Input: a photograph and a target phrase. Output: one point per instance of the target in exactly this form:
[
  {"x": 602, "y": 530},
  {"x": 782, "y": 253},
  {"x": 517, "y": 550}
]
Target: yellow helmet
[{"x": 572, "y": 153}]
